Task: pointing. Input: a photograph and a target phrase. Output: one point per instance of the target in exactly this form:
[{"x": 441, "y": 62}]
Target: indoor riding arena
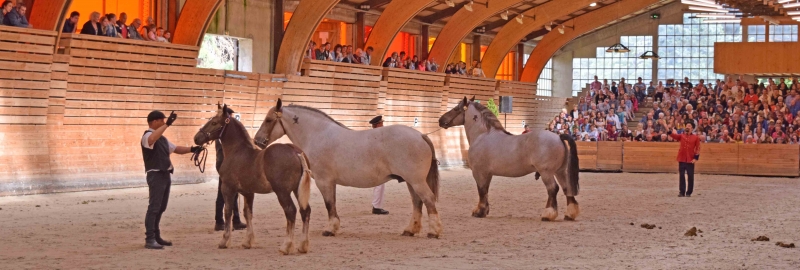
[{"x": 399, "y": 134}]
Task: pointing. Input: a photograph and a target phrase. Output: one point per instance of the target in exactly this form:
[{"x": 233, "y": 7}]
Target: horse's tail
[
  {"x": 433, "y": 172},
  {"x": 304, "y": 189},
  {"x": 571, "y": 165}
]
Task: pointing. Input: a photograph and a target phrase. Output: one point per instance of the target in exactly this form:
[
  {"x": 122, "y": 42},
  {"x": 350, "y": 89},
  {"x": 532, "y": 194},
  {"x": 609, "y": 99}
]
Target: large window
[
  {"x": 782, "y": 33},
  {"x": 756, "y": 33},
  {"x": 687, "y": 50},
  {"x": 613, "y": 66},
  {"x": 545, "y": 84},
  {"x": 226, "y": 53}
]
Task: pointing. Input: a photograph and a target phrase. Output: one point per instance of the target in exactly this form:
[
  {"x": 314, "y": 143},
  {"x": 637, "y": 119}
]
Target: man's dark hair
[
  {"x": 6, "y": 3},
  {"x": 370, "y": 48},
  {"x": 74, "y": 13},
  {"x": 111, "y": 16},
  {"x": 20, "y": 5}
]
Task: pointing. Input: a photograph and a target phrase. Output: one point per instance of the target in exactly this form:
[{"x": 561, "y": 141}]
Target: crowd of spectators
[
  {"x": 14, "y": 15},
  {"x": 346, "y": 54},
  {"x": 110, "y": 25},
  {"x": 460, "y": 68},
  {"x": 724, "y": 112}
]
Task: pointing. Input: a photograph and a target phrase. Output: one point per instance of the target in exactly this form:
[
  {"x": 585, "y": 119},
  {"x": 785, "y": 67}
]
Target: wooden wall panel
[
  {"x": 650, "y": 157},
  {"x": 718, "y": 159},
  {"x": 413, "y": 94},
  {"x": 535, "y": 110},
  {"x": 760, "y": 58},
  {"x": 609, "y": 156},
  {"x": 240, "y": 91},
  {"x": 587, "y": 155},
  {"x": 769, "y": 159},
  {"x": 26, "y": 58},
  {"x": 270, "y": 89}
]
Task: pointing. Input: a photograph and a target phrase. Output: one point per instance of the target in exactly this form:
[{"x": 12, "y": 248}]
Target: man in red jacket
[{"x": 688, "y": 154}]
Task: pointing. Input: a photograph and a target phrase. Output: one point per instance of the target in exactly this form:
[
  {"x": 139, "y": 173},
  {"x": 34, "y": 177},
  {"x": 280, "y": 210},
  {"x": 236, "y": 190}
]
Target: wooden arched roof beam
[
  {"x": 49, "y": 15},
  {"x": 305, "y": 19},
  {"x": 194, "y": 20},
  {"x": 553, "y": 41},
  {"x": 396, "y": 15},
  {"x": 511, "y": 34},
  {"x": 462, "y": 23}
]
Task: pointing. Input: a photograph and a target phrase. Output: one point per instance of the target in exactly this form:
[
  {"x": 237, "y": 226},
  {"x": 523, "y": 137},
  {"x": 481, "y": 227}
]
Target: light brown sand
[{"x": 105, "y": 233}]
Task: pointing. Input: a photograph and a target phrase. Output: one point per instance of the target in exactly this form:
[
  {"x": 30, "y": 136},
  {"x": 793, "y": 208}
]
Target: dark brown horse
[{"x": 280, "y": 168}]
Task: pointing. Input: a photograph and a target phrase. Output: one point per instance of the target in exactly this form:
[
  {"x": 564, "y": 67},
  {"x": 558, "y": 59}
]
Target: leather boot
[
  {"x": 239, "y": 226},
  {"x": 152, "y": 244},
  {"x": 162, "y": 241},
  {"x": 219, "y": 227}
]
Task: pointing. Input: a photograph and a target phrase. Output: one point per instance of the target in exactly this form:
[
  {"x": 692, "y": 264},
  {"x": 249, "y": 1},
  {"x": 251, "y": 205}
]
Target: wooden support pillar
[
  {"x": 476, "y": 48},
  {"x": 425, "y": 32},
  {"x": 519, "y": 61},
  {"x": 172, "y": 18},
  {"x": 360, "y": 38},
  {"x": 277, "y": 30}
]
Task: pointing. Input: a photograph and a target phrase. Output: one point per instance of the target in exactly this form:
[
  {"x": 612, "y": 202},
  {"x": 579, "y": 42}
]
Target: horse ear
[
  {"x": 279, "y": 106},
  {"x": 472, "y": 99},
  {"x": 225, "y": 109},
  {"x": 464, "y": 102},
  {"x": 218, "y": 106}
]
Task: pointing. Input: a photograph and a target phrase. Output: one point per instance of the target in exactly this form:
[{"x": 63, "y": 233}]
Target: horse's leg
[
  {"x": 429, "y": 199},
  {"x": 328, "y": 190},
  {"x": 229, "y": 195},
  {"x": 305, "y": 214},
  {"x": 550, "y": 212},
  {"x": 572, "y": 205},
  {"x": 285, "y": 199},
  {"x": 483, "y": 180},
  {"x": 416, "y": 218},
  {"x": 248, "y": 215}
]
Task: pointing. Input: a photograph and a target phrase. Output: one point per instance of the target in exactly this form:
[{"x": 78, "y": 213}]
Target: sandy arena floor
[{"x": 61, "y": 231}]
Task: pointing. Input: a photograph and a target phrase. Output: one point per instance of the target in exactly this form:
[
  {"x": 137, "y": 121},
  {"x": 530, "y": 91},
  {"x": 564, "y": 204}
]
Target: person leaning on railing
[
  {"x": 92, "y": 26},
  {"x": 71, "y": 24},
  {"x": 133, "y": 33},
  {"x": 15, "y": 16}
]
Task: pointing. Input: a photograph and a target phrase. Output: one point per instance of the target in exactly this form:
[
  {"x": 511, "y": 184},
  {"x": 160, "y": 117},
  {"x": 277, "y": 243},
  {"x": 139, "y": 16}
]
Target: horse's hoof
[
  {"x": 246, "y": 246},
  {"x": 303, "y": 248},
  {"x": 430, "y": 235},
  {"x": 407, "y": 233},
  {"x": 327, "y": 233},
  {"x": 223, "y": 246},
  {"x": 545, "y": 219},
  {"x": 568, "y": 218}
]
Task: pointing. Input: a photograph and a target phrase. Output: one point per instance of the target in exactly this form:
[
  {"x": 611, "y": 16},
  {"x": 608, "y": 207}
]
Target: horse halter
[
  {"x": 221, "y": 129},
  {"x": 463, "y": 111},
  {"x": 279, "y": 118}
]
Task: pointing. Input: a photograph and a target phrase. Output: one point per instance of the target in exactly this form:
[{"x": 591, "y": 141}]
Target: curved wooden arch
[
  {"x": 194, "y": 20},
  {"x": 49, "y": 15},
  {"x": 307, "y": 16},
  {"x": 584, "y": 23},
  {"x": 461, "y": 24},
  {"x": 397, "y": 14},
  {"x": 513, "y": 32}
]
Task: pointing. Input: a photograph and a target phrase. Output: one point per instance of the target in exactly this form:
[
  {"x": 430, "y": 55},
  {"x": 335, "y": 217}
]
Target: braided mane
[{"x": 490, "y": 120}]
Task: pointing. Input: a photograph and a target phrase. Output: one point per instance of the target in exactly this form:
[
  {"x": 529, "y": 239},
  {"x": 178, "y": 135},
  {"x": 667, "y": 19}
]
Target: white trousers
[{"x": 377, "y": 196}]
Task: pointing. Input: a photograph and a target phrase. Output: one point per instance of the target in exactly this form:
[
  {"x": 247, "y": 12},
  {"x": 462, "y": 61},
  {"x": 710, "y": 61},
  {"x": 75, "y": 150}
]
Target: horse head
[
  {"x": 213, "y": 129},
  {"x": 272, "y": 127},
  {"x": 455, "y": 117}
]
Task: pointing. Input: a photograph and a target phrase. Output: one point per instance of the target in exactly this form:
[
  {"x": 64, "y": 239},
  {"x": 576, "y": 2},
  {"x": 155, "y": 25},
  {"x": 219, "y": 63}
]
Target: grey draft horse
[
  {"x": 363, "y": 159},
  {"x": 247, "y": 169},
  {"x": 495, "y": 151}
]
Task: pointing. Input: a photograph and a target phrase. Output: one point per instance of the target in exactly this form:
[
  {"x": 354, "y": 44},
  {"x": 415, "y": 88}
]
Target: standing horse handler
[
  {"x": 158, "y": 167},
  {"x": 377, "y": 192},
  {"x": 688, "y": 154}
]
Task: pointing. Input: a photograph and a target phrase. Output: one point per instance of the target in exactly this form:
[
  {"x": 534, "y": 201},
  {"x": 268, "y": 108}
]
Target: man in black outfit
[
  {"x": 237, "y": 222},
  {"x": 158, "y": 167}
]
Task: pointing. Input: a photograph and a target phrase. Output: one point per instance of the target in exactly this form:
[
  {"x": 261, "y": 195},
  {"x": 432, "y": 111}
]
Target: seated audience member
[
  {"x": 133, "y": 33},
  {"x": 122, "y": 28},
  {"x": 92, "y": 26},
  {"x": 167, "y": 36},
  {"x": 390, "y": 61},
  {"x": 477, "y": 71},
  {"x": 70, "y": 25},
  {"x": 150, "y": 31},
  {"x": 432, "y": 66},
  {"x": 5, "y": 9},
  {"x": 15, "y": 17},
  {"x": 160, "y": 35},
  {"x": 110, "y": 26}
]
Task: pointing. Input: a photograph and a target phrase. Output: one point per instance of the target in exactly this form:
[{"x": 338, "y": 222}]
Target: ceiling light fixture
[
  {"x": 708, "y": 9},
  {"x": 618, "y": 48},
  {"x": 364, "y": 7},
  {"x": 791, "y": 5},
  {"x": 650, "y": 55},
  {"x": 700, "y": 3},
  {"x": 793, "y": 13},
  {"x": 450, "y": 3},
  {"x": 519, "y": 18},
  {"x": 468, "y": 6},
  {"x": 727, "y": 16},
  {"x": 723, "y": 21},
  {"x": 504, "y": 15},
  {"x": 549, "y": 27},
  {"x": 593, "y": 4}
]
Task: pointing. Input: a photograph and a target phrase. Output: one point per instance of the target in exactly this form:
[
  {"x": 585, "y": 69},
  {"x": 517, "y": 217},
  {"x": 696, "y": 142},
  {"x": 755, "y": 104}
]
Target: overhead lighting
[
  {"x": 549, "y": 27},
  {"x": 593, "y": 4},
  {"x": 793, "y": 13},
  {"x": 519, "y": 18},
  {"x": 618, "y": 48},
  {"x": 708, "y": 9},
  {"x": 481, "y": 29},
  {"x": 504, "y": 15},
  {"x": 791, "y": 5},
  {"x": 561, "y": 29},
  {"x": 727, "y": 16},
  {"x": 723, "y": 21},
  {"x": 650, "y": 55},
  {"x": 364, "y": 7},
  {"x": 468, "y": 6},
  {"x": 784, "y": 1},
  {"x": 450, "y": 3},
  {"x": 700, "y": 3}
]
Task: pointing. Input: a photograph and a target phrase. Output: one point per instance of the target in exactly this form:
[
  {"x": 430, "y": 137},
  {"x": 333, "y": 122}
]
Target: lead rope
[{"x": 199, "y": 158}]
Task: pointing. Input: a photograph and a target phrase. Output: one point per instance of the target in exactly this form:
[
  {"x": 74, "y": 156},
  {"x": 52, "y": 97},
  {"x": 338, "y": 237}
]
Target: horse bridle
[
  {"x": 464, "y": 112},
  {"x": 279, "y": 118},
  {"x": 221, "y": 129}
]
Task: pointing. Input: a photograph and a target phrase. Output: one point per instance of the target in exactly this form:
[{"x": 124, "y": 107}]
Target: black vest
[{"x": 158, "y": 157}]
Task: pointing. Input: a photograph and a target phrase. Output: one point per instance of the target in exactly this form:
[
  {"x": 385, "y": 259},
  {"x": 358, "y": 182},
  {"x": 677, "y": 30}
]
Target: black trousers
[
  {"x": 686, "y": 168},
  {"x": 221, "y": 207},
  {"x": 158, "y": 184}
]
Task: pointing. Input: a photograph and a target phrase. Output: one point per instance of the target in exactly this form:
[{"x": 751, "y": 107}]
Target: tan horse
[
  {"x": 494, "y": 151},
  {"x": 363, "y": 159},
  {"x": 280, "y": 168}
]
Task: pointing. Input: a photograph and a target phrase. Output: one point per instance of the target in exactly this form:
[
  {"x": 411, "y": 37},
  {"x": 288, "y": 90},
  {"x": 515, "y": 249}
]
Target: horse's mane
[
  {"x": 490, "y": 120},
  {"x": 318, "y": 111}
]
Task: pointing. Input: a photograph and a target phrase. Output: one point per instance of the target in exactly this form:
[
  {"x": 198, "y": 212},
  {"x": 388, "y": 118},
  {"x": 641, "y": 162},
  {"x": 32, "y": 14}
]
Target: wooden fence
[{"x": 729, "y": 159}]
